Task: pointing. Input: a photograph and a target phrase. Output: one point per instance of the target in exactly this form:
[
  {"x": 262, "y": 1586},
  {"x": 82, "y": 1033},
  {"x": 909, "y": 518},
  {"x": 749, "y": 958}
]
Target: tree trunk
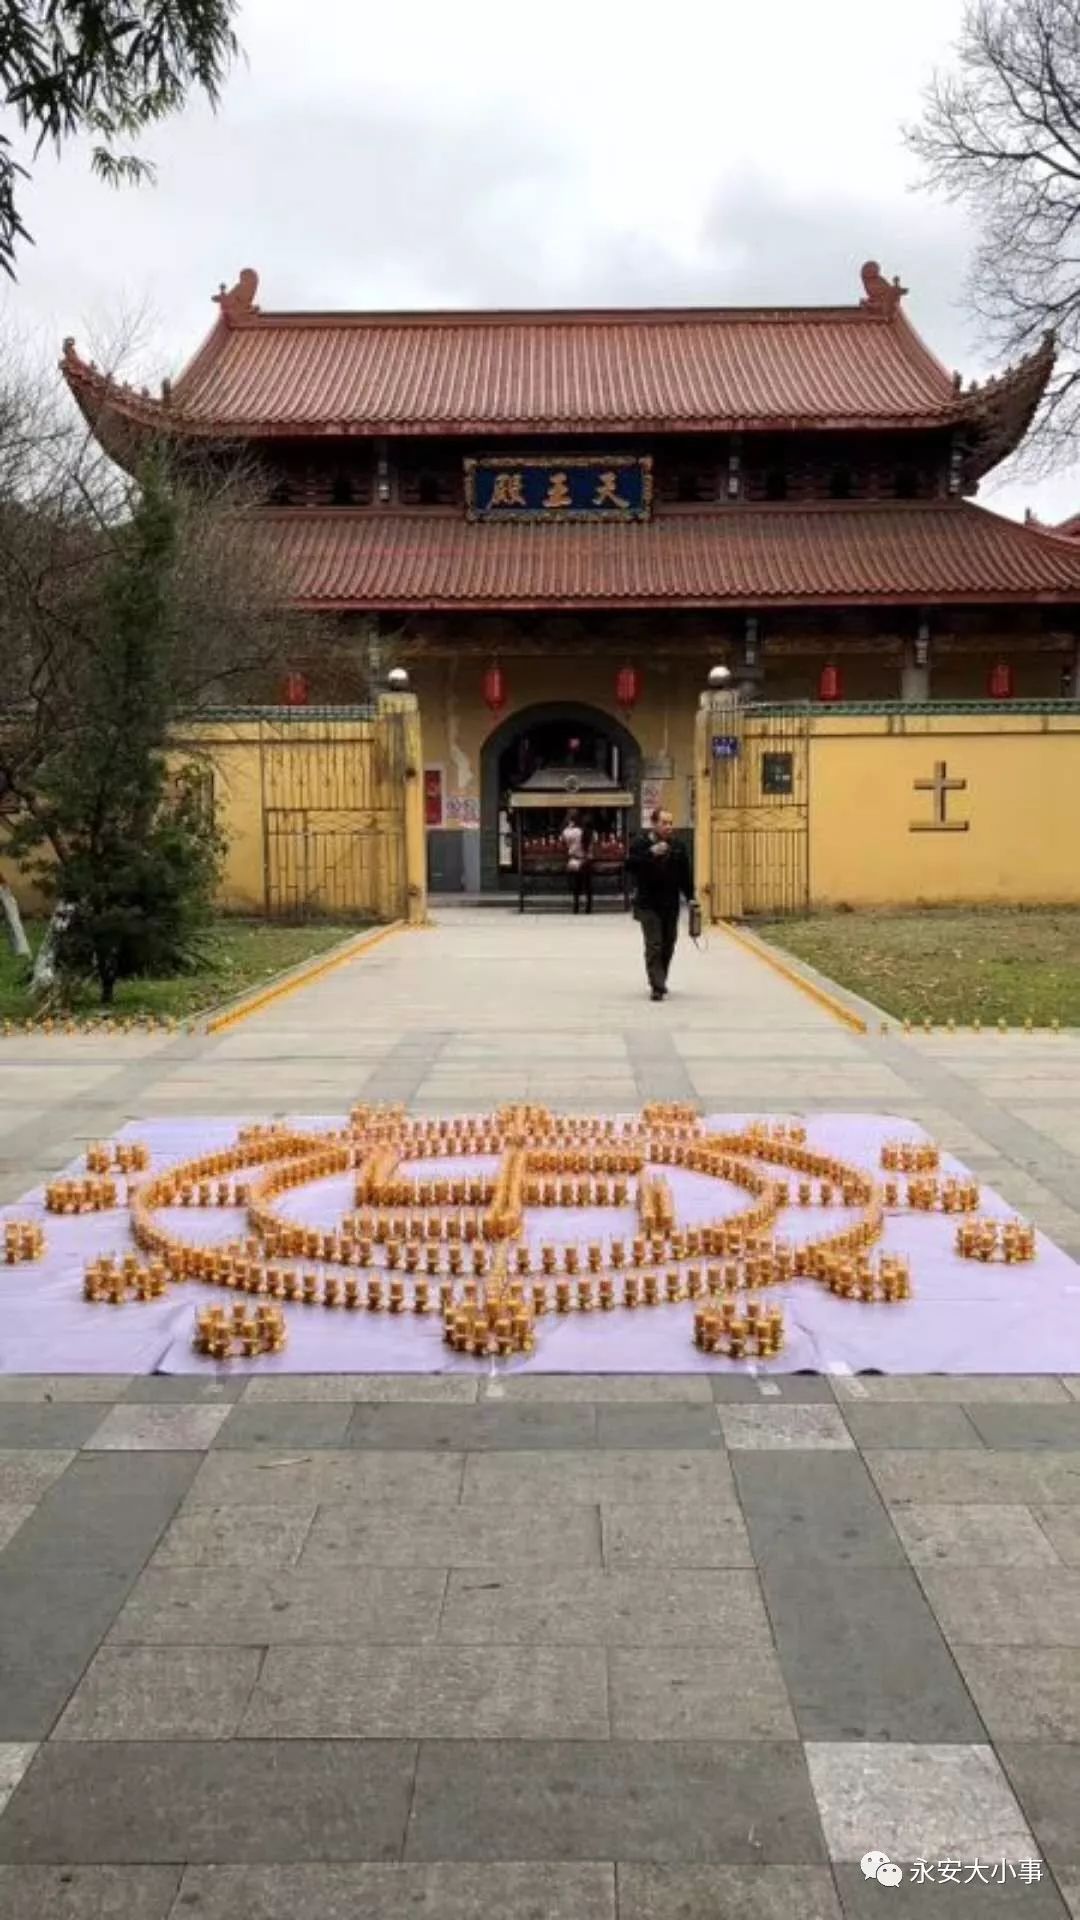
[{"x": 20, "y": 943}]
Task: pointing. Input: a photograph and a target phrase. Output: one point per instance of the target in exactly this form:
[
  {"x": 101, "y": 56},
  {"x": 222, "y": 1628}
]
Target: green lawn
[
  {"x": 240, "y": 954},
  {"x": 941, "y": 964}
]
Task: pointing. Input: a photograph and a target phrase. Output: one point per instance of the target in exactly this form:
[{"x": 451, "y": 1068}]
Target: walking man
[{"x": 660, "y": 870}]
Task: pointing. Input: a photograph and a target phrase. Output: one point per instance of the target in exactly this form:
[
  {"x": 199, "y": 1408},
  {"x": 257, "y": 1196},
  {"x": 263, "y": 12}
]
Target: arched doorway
[{"x": 553, "y": 733}]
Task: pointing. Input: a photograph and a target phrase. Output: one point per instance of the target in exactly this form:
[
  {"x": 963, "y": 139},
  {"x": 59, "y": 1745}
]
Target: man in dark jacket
[{"x": 660, "y": 870}]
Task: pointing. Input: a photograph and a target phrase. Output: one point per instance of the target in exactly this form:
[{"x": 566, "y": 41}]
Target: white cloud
[{"x": 504, "y": 155}]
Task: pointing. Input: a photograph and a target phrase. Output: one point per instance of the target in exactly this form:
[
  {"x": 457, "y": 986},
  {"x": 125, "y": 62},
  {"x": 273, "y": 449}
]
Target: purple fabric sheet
[{"x": 965, "y": 1317}]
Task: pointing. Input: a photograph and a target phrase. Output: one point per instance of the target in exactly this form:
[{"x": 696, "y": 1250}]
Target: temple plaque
[{"x": 573, "y": 487}]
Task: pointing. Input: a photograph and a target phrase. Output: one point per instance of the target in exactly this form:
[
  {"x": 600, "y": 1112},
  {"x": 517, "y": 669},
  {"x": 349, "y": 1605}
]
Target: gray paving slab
[
  {"x": 807, "y": 1508},
  {"x": 1006, "y": 1606},
  {"x": 915, "y": 1799},
  {"x": 108, "y": 1510},
  {"x": 740, "y": 1802},
  {"x": 434, "y": 1693},
  {"x": 705, "y": 1535},
  {"x": 385, "y": 1534},
  {"x": 969, "y": 1897},
  {"x": 971, "y": 1536},
  {"x": 985, "y": 1478},
  {"x": 121, "y": 1803},
  {"x": 1061, "y": 1525},
  {"x": 666, "y": 1476},
  {"x": 682, "y": 1427},
  {"x": 1028, "y": 1426},
  {"x": 240, "y": 1607},
  {"x": 1024, "y": 1693},
  {"x": 298, "y": 1478},
  {"x": 479, "y": 1429},
  {"x": 377, "y": 1387},
  {"x": 863, "y": 1657},
  {"x": 41, "y": 1426},
  {"x": 726, "y": 1689},
  {"x": 795, "y": 1389},
  {"x": 1045, "y": 1778},
  {"x": 296, "y": 1426},
  {"x": 601, "y": 1389},
  {"x": 961, "y": 1390},
  {"x": 492, "y": 1890},
  {"x": 50, "y": 1625},
  {"x": 162, "y": 1693},
  {"x": 88, "y": 1893},
  {"x": 29, "y": 1389},
  {"x": 12, "y": 1516},
  {"x": 15, "y": 1758},
  {"x": 262, "y": 1537},
  {"x": 898, "y": 1425},
  {"x": 788, "y": 1428},
  {"x": 25, "y": 1475},
  {"x": 170, "y": 1427},
  {"x": 580, "y": 1606},
  {"x": 727, "y": 1893},
  {"x": 165, "y": 1389}
]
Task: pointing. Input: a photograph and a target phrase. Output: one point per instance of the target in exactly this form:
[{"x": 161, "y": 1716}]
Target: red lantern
[
  {"x": 830, "y": 685},
  {"x": 1001, "y": 681},
  {"x": 627, "y": 688},
  {"x": 295, "y": 691},
  {"x": 494, "y": 689}
]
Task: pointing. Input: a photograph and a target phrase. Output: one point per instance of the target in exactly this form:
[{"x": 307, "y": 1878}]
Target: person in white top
[{"x": 577, "y": 839}]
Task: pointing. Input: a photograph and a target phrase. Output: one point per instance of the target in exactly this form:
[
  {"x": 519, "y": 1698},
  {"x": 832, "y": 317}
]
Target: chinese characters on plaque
[{"x": 616, "y": 487}]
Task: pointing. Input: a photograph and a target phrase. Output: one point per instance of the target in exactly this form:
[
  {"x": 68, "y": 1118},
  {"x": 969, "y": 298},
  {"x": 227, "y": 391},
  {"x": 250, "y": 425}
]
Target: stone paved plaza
[{"x": 661, "y": 1648}]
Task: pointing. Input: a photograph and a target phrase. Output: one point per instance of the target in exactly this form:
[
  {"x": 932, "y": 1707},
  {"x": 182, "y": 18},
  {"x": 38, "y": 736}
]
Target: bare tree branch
[{"x": 1001, "y": 134}]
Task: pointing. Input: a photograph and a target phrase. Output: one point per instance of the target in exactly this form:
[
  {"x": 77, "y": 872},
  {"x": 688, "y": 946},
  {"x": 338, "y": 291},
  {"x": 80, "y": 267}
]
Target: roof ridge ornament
[
  {"x": 881, "y": 296},
  {"x": 236, "y": 302}
]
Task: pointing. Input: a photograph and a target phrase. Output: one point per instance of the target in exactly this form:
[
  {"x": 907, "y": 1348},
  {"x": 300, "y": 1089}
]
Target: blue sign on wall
[
  {"x": 572, "y": 488},
  {"x": 725, "y": 746}
]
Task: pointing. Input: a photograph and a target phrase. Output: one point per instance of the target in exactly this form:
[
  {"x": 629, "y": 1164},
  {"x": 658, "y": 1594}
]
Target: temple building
[{"x": 560, "y": 521}]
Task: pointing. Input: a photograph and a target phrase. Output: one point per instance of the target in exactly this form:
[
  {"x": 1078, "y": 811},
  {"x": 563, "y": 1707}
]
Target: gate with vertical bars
[
  {"x": 333, "y": 817},
  {"x": 759, "y": 809}
]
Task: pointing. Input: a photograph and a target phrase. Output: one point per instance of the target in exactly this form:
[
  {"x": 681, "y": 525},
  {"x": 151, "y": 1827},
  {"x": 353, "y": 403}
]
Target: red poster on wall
[{"x": 433, "y": 797}]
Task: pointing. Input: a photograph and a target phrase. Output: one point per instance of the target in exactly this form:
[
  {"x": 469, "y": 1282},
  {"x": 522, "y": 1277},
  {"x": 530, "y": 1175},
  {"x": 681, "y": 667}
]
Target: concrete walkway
[{"x": 558, "y": 1649}]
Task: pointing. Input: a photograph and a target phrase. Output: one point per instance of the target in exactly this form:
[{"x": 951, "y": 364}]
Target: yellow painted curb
[
  {"x": 279, "y": 990},
  {"x": 794, "y": 978}
]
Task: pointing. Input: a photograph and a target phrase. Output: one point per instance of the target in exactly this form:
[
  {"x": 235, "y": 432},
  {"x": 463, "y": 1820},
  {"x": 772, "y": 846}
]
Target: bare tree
[
  {"x": 63, "y": 509},
  {"x": 1001, "y": 133}
]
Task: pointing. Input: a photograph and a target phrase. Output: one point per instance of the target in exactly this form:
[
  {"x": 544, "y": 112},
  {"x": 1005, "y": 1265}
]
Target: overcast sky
[{"x": 499, "y": 153}]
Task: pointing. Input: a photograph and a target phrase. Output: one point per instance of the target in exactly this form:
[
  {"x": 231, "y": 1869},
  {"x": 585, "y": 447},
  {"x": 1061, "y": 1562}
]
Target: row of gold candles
[
  {"x": 757, "y": 1332},
  {"x": 955, "y": 1195},
  {"x": 1010, "y": 1240},
  {"x": 910, "y": 1156},
  {"x": 23, "y": 1240},
  {"x": 239, "y": 1335},
  {"x": 119, "y": 1156},
  {"x": 95, "y": 1194},
  {"x": 116, "y": 1281}
]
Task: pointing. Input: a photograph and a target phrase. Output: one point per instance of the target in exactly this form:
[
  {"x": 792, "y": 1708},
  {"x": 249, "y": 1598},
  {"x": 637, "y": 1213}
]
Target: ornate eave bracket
[{"x": 994, "y": 417}]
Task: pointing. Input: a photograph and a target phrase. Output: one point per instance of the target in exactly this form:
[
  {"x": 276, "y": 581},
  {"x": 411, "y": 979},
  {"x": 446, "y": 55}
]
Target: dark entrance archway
[{"x": 542, "y": 735}]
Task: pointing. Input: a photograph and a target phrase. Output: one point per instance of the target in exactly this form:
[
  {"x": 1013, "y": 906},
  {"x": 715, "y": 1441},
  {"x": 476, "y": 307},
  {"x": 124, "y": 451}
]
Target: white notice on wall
[{"x": 652, "y": 796}]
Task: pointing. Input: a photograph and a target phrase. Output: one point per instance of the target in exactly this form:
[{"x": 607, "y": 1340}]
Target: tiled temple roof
[
  {"x": 828, "y": 553},
  {"x": 259, "y": 375}
]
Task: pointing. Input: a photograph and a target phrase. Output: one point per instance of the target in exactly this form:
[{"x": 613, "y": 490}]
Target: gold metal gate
[
  {"x": 759, "y": 808},
  {"x": 333, "y": 798}
]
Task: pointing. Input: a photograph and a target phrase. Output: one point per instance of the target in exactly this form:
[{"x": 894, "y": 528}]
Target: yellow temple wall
[
  {"x": 321, "y": 812},
  {"x": 1012, "y": 832},
  {"x": 894, "y": 807}
]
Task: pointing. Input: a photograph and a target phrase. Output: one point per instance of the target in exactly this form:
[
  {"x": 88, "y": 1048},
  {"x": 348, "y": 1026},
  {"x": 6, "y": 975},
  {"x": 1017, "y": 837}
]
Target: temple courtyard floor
[{"x": 563, "y": 1647}]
